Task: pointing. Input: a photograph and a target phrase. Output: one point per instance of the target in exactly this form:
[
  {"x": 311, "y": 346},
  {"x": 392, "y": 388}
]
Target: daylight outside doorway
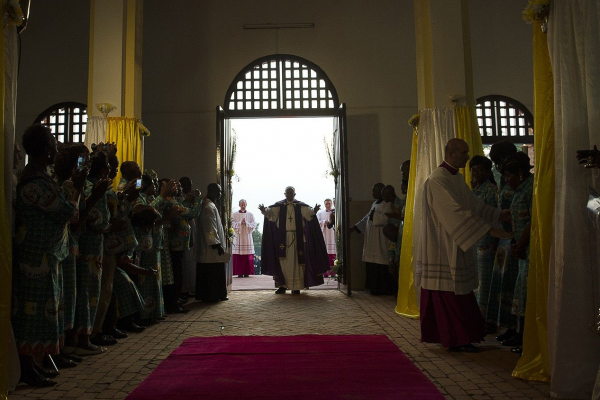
[{"x": 271, "y": 154}]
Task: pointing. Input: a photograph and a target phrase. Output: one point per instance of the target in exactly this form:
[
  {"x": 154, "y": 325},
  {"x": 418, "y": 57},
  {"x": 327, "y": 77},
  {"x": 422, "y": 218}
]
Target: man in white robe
[
  {"x": 454, "y": 219},
  {"x": 243, "y": 224},
  {"x": 293, "y": 248},
  {"x": 375, "y": 249},
  {"x": 328, "y": 229},
  {"x": 211, "y": 278}
]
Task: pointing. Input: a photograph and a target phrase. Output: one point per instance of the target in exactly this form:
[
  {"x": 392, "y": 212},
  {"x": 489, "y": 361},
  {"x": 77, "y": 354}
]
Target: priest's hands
[
  {"x": 317, "y": 208},
  {"x": 262, "y": 208},
  {"x": 505, "y": 216},
  {"x": 500, "y": 234}
]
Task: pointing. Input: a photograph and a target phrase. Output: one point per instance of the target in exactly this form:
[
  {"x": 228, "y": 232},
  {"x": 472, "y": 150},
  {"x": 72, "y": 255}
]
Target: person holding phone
[
  {"x": 188, "y": 207},
  {"x": 89, "y": 261},
  {"x": 517, "y": 174},
  {"x": 43, "y": 211}
]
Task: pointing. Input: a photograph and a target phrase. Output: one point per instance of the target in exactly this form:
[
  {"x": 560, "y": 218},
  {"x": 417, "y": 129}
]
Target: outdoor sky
[{"x": 278, "y": 152}]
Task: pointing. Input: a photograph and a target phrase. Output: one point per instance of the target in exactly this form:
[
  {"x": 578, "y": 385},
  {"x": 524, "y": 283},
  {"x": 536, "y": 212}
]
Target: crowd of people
[
  {"x": 473, "y": 259},
  {"x": 472, "y": 264},
  {"x": 94, "y": 264},
  {"x": 382, "y": 227}
]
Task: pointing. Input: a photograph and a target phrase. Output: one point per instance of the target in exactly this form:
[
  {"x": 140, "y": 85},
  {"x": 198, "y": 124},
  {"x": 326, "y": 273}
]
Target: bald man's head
[{"x": 456, "y": 153}]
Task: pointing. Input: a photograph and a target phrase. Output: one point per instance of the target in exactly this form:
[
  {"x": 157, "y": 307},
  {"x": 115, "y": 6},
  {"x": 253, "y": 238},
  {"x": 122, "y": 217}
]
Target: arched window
[
  {"x": 67, "y": 121},
  {"x": 503, "y": 118},
  {"x": 281, "y": 85}
]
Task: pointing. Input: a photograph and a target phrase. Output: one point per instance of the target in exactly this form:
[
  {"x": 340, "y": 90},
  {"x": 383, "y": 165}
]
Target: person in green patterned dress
[
  {"x": 89, "y": 261},
  {"x": 43, "y": 211},
  {"x": 166, "y": 264},
  {"x": 72, "y": 156},
  {"x": 516, "y": 172},
  {"x": 484, "y": 186},
  {"x": 506, "y": 267},
  {"x": 179, "y": 241},
  {"x": 119, "y": 244},
  {"x": 150, "y": 241}
]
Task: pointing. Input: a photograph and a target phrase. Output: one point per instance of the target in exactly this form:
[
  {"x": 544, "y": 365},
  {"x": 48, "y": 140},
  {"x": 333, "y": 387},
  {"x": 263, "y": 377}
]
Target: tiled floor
[
  {"x": 265, "y": 282},
  {"x": 485, "y": 375}
]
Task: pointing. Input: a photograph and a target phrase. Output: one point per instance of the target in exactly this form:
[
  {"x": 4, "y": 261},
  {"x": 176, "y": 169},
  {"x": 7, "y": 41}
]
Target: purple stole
[{"x": 282, "y": 233}]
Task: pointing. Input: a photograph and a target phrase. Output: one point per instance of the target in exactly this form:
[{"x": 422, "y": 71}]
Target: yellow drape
[
  {"x": 534, "y": 363},
  {"x": 407, "y": 304},
  {"x": 467, "y": 129},
  {"x": 5, "y": 242},
  {"x": 126, "y": 134}
]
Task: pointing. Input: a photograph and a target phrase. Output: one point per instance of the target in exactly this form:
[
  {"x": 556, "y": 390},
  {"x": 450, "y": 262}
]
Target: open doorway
[
  {"x": 287, "y": 102},
  {"x": 271, "y": 154}
]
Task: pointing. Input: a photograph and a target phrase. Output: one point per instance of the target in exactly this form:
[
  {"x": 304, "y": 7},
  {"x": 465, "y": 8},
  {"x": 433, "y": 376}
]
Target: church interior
[{"x": 171, "y": 65}]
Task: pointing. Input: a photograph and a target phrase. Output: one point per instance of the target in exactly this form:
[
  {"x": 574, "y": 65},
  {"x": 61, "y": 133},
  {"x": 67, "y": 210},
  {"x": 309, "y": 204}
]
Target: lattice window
[
  {"x": 281, "y": 85},
  {"x": 503, "y": 118},
  {"x": 67, "y": 121}
]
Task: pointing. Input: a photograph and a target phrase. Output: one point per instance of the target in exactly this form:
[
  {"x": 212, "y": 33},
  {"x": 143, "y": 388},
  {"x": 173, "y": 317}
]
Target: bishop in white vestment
[
  {"x": 454, "y": 219},
  {"x": 324, "y": 218},
  {"x": 243, "y": 224},
  {"x": 293, "y": 248}
]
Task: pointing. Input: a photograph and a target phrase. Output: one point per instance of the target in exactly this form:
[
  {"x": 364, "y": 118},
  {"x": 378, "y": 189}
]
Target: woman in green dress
[
  {"x": 43, "y": 211},
  {"x": 516, "y": 172},
  {"x": 89, "y": 261},
  {"x": 71, "y": 157},
  {"x": 484, "y": 186},
  {"x": 150, "y": 239}
]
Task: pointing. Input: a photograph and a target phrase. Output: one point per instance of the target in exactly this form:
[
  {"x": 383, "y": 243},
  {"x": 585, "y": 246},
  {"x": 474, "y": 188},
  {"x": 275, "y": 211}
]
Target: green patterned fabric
[
  {"x": 504, "y": 275},
  {"x": 165, "y": 260},
  {"x": 520, "y": 209},
  {"x": 120, "y": 239},
  {"x": 43, "y": 212},
  {"x": 89, "y": 263},
  {"x": 179, "y": 227},
  {"x": 149, "y": 257},
  {"x": 486, "y": 248},
  {"x": 129, "y": 299}
]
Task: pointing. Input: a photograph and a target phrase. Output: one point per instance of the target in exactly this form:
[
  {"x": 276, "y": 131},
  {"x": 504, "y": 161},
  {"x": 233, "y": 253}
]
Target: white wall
[
  {"x": 502, "y": 50},
  {"x": 54, "y": 58},
  {"x": 191, "y": 58}
]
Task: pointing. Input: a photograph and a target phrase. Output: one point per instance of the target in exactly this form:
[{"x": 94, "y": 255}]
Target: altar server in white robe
[
  {"x": 454, "y": 219},
  {"x": 376, "y": 245},
  {"x": 243, "y": 224},
  {"x": 325, "y": 222}
]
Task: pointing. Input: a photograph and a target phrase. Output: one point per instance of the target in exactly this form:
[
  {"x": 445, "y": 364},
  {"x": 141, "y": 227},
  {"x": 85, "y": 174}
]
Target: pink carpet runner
[{"x": 287, "y": 367}]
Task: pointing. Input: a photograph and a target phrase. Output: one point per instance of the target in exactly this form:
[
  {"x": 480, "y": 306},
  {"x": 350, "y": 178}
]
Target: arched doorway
[{"x": 283, "y": 85}]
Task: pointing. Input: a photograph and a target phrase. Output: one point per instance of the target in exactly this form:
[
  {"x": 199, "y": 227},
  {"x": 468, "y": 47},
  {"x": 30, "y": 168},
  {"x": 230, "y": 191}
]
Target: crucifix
[{"x": 291, "y": 218}]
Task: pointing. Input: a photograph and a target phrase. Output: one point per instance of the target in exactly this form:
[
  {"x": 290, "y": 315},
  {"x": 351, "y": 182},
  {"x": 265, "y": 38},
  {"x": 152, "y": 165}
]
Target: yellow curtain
[
  {"x": 125, "y": 133},
  {"x": 467, "y": 129},
  {"x": 407, "y": 304},
  {"x": 5, "y": 242},
  {"x": 534, "y": 363}
]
